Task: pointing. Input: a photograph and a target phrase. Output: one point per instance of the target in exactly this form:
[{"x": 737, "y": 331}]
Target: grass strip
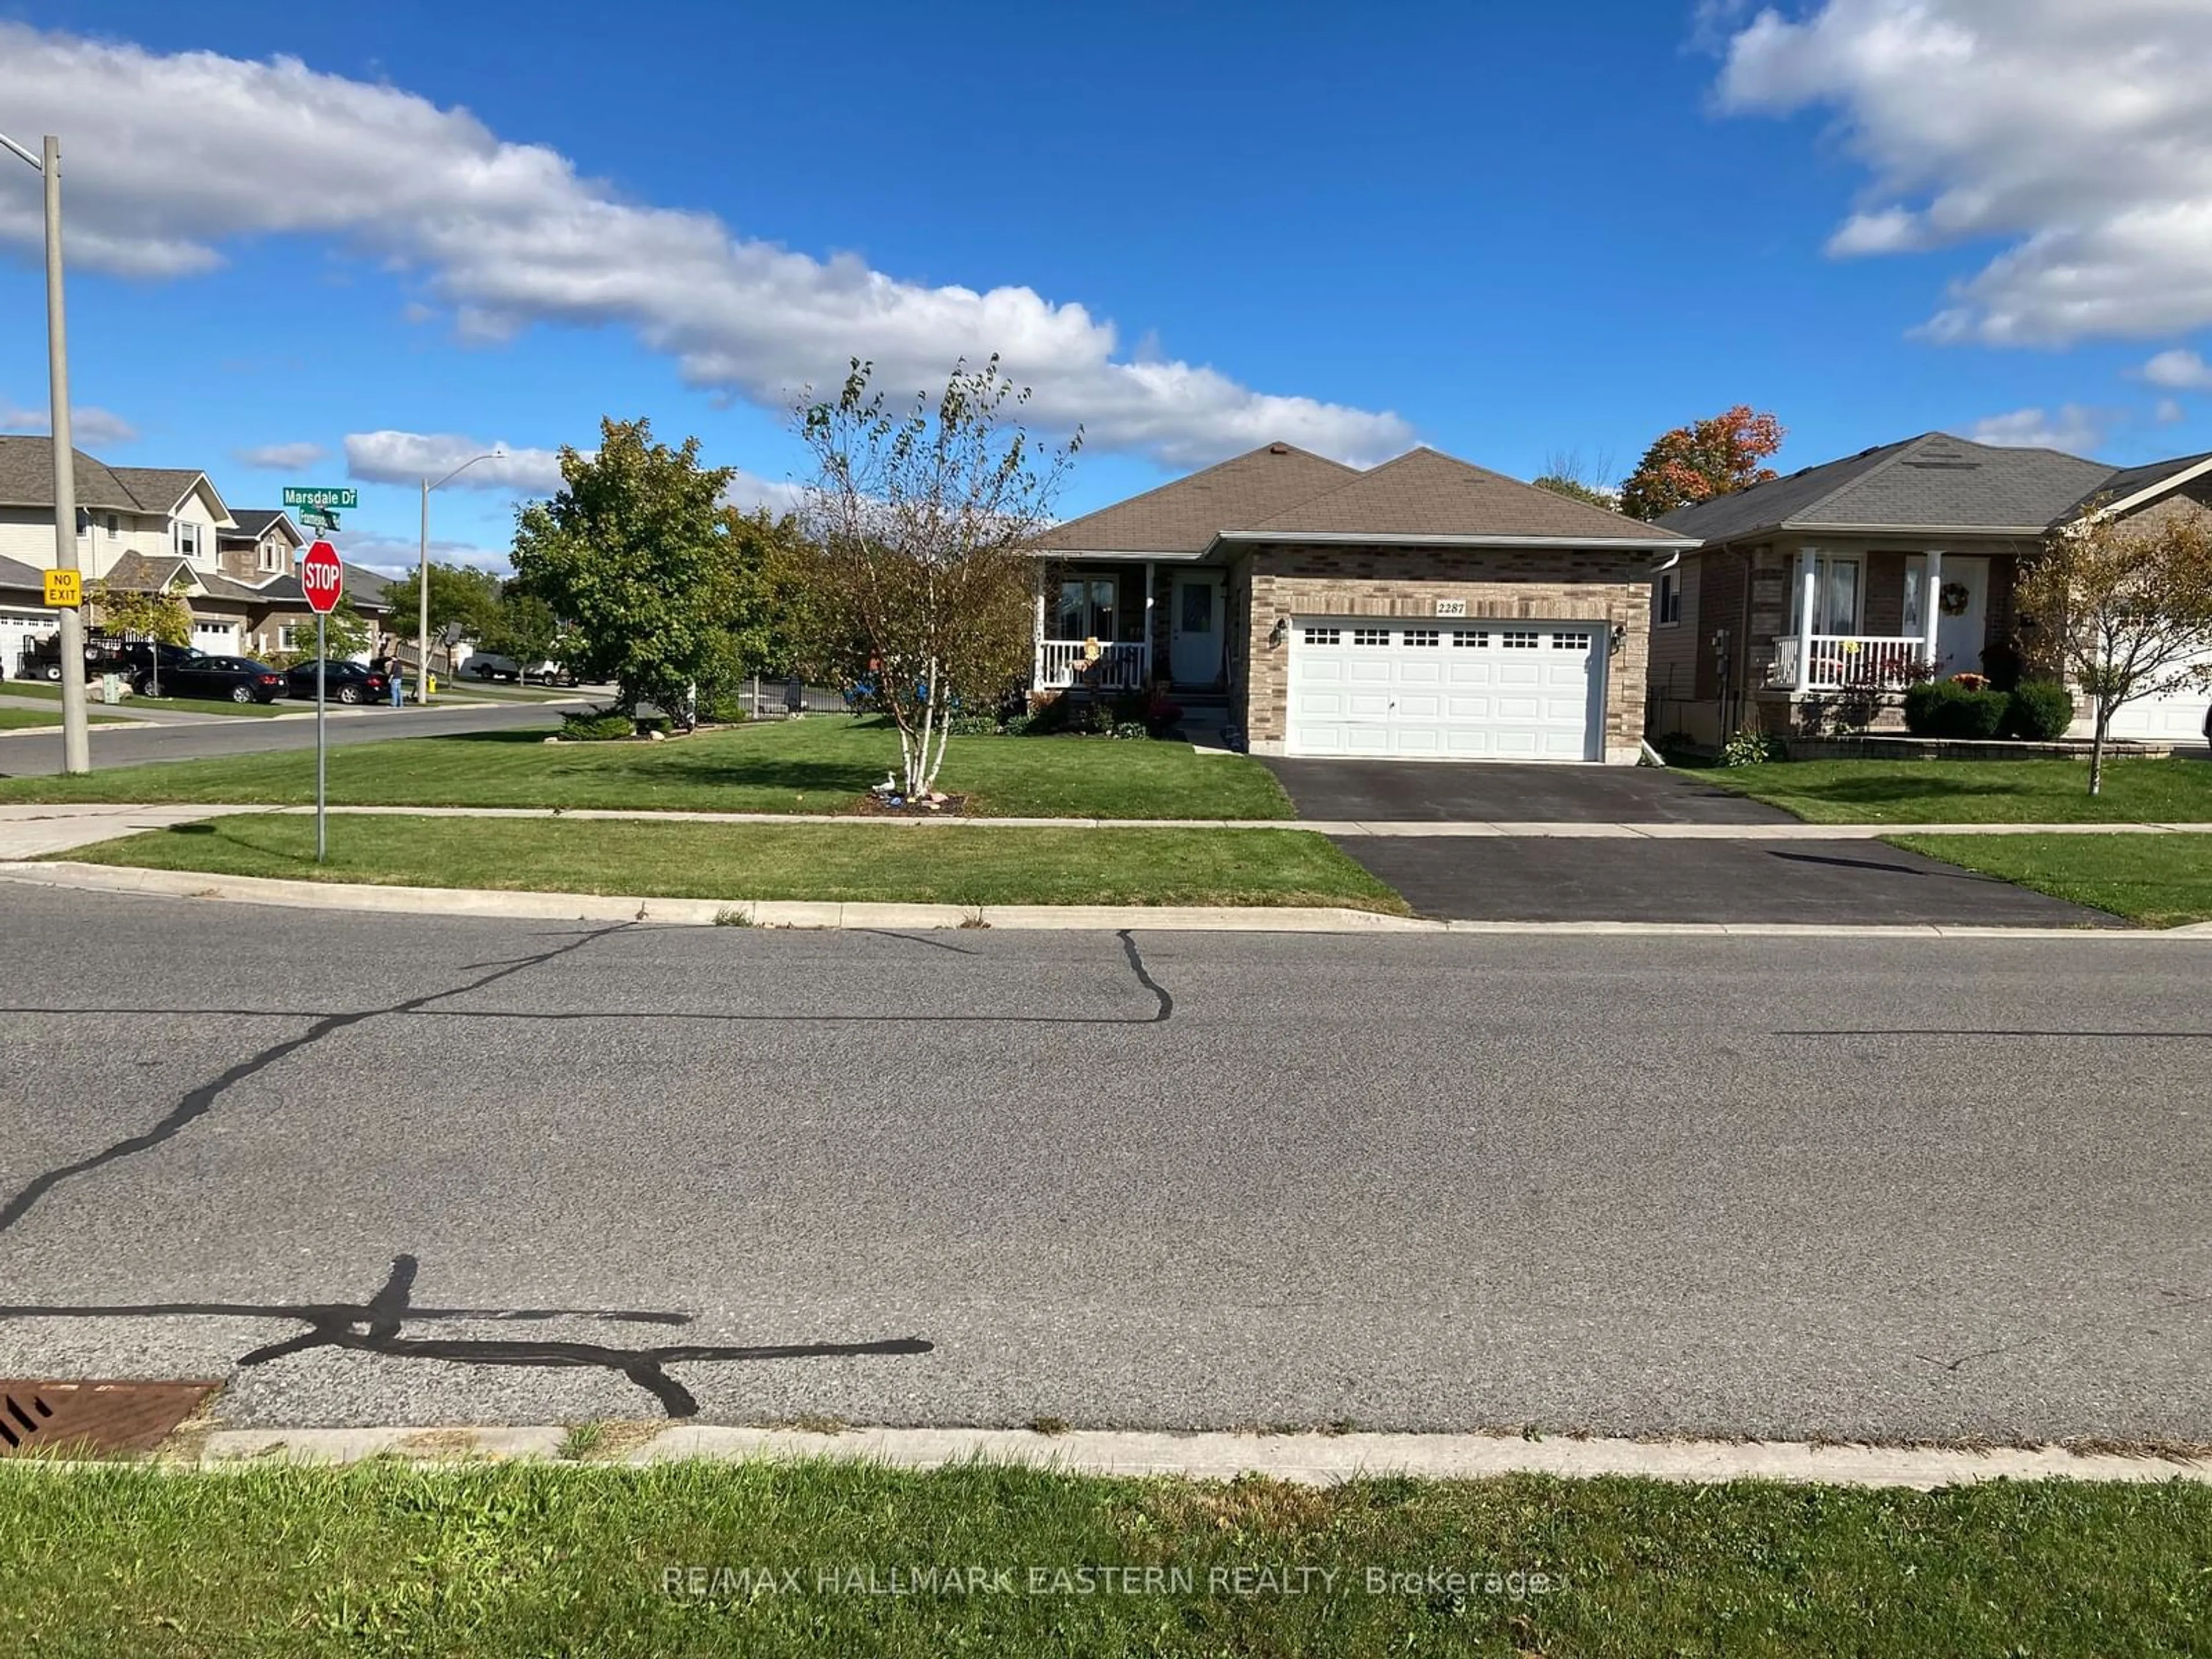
[
  {"x": 820, "y": 764},
  {"x": 2155, "y": 881},
  {"x": 2176, "y": 791},
  {"x": 686, "y": 1559},
  {"x": 931, "y": 865}
]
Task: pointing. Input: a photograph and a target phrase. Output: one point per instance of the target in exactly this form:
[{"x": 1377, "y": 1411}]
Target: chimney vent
[{"x": 1278, "y": 449}]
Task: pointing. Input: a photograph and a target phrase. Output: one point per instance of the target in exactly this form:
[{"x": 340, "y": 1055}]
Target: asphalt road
[
  {"x": 438, "y": 1170},
  {"x": 39, "y": 754}
]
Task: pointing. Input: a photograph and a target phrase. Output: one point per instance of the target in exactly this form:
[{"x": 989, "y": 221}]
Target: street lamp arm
[
  {"x": 33, "y": 161},
  {"x": 496, "y": 455}
]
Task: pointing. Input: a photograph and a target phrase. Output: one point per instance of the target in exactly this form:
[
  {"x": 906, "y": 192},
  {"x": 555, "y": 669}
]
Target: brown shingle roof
[
  {"x": 158, "y": 488},
  {"x": 1185, "y": 516},
  {"x": 27, "y": 476},
  {"x": 1427, "y": 493}
]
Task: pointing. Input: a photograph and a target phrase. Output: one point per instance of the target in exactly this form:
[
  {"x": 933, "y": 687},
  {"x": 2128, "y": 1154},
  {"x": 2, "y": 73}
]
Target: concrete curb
[
  {"x": 1309, "y": 1458},
  {"x": 799, "y": 913}
]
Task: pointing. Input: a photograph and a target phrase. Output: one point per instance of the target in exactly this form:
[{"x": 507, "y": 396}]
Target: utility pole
[
  {"x": 422, "y": 577},
  {"x": 76, "y": 745}
]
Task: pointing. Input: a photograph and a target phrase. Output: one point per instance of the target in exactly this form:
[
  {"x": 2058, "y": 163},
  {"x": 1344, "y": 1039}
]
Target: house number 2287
[{"x": 1451, "y": 607}]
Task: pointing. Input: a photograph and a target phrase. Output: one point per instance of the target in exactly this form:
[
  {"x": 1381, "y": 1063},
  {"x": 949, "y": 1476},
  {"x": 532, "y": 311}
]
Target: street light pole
[
  {"x": 422, "y": 579},
  {"x": 76, "y": 745}
]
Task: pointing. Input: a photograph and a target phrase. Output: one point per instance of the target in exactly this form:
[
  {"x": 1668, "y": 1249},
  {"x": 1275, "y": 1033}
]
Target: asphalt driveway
[
  {"x": 1584, "y": 878},
  {"x": 1493, "y": 793},
  {"x": 1595, "y": 878}
]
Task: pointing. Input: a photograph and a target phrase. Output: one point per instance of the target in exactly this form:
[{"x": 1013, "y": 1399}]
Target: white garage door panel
[{"x": 1530, "y": 692}]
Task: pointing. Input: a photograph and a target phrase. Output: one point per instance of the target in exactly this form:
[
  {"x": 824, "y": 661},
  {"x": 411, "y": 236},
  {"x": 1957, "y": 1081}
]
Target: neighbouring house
[
  {"x": 1845, "y": 577},
  {"x": 1425, "y": 609},
  {"x": 158, "y": 527}
]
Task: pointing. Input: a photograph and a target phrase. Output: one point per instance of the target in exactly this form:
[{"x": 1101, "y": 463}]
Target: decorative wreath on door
[{"x": 1954, "y": 598}]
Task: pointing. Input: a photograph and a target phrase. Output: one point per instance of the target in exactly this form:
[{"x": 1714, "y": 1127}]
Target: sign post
[{"x": 322, "y": 577}]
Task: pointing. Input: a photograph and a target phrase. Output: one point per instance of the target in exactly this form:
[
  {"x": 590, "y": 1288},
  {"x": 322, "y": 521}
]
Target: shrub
[
  {"x": 2039, "y": 710},
  {"x": 597, "y": 725},
  {"x": 2005, "y": 666},
  {"x": 1130, "y": 729},
  {"x": 1748, "y": 747},
  {"x": 972, "y": 726},
  {"x": 723, "y": 707},
  {"x": 1955, "y": 708},
  {"x": 1017, "y": 726}
]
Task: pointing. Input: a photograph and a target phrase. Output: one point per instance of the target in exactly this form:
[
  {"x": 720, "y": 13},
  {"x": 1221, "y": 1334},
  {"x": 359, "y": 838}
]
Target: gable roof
[
  {"x": 1281, "y": 493},
  {"x": 27, "y": 476},
  {"x": 1933, "y": 482},
  {"x": 1185, "y": 516},
  {"x": 15, "y": 574},
  {"x": 255, "y": 522},
  {"x": 1425, "y": 495}
]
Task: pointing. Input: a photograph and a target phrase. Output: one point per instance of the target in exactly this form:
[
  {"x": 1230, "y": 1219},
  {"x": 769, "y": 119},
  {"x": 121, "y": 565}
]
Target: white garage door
[
  {"x": 215, "y": 638},
  {"x": 1439, "y": 692},
  {"x": 2176, "y": 718}
]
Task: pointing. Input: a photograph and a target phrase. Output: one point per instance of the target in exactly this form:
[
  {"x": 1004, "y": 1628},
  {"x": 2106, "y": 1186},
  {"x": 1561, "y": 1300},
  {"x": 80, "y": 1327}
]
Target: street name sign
[
  {"x": 322, "y": 576},
  {"x": 305, "y": 496}
]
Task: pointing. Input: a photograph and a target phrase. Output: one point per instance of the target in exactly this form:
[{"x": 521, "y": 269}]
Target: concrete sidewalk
[{"x": 91, "y": 822}]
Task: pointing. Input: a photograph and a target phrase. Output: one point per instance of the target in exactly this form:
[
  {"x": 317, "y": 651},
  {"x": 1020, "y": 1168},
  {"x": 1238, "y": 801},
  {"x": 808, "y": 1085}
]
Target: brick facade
[{"x": 1273, "y": 583}]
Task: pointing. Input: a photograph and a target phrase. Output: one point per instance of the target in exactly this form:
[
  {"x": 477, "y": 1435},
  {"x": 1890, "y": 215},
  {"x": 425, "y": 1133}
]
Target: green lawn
[
  {"x": 539, "y": 1559},
  {"x": 27, "y": 719},
  {"x": 1977, "y": 792},
  {"x": 47, "y": 691},
  {"x": 2155, "y": 881},
  {"x": 949, "y": 864},
  {"x": 814, "y": 765}
]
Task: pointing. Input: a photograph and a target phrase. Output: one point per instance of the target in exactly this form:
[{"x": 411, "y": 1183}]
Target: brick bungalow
[{"x": 1425, "y": 609}]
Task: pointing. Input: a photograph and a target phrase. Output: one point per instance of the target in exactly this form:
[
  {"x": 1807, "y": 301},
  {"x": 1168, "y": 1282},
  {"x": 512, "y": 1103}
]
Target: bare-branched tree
[
  {"x": 2123, "y": 608},
  {"x": 920, "y": 521}
]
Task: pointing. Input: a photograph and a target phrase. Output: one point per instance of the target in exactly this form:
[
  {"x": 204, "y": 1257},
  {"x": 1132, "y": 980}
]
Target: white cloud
[
  {"x": 2073, "y": 429},
  {"x": 282, "y": 458},
  {"x": 2169, "y": 412},
  {"x": 87, "y": 425},
  {"x": 507, "y": 234},
  {"x": 2182, "y": 371},
  {"x": 400, "y": 555},
  {"x": 748, "y": 491},
  {"x": 407, "y": 458},
  {"x": 2079, "y": 135}
]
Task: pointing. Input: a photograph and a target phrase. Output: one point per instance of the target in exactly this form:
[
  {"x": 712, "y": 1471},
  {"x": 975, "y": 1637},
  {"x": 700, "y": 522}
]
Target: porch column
[
  {"x": 1807, "y": 595},
  {"x": 1931, "y": 603},
  {"x": 1145, "y": 667},
  {"x": 1036, "y": 637}
]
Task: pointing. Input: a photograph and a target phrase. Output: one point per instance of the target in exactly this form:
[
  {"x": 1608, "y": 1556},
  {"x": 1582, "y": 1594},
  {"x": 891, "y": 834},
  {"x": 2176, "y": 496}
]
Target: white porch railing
[
  {"x": 1849, "y": 660},
  {"x": 1063, "y": 663}
]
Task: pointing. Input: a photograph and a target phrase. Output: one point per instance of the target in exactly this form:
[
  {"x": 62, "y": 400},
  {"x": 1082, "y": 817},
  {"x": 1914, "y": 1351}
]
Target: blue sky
[{"x": 1508, "y": 232}]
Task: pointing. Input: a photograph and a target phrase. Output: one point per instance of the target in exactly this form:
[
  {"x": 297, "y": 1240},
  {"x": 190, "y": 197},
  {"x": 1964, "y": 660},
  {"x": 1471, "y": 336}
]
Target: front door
[
  {"x": 1962, "y": 616},
  {"x": 1194, "y": 632}
]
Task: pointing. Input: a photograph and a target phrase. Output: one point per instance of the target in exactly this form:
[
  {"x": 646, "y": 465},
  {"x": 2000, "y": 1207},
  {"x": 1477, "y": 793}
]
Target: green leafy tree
[
  {"x": 523, "y": 629},
  {"x": 2123, "y": 607},
  {"x": 635, "y": 551},
  {"x": 345, "y": 634},
  {"x": 1698, "y": 462},
  {"x": 464, "y": 602},
  {"x": 920, "y": 521},
  {"x": 161, "y": 614}
]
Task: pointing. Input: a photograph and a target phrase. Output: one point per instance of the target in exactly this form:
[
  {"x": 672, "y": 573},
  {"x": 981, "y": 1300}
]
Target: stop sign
[{"x": 322, "y": 575}]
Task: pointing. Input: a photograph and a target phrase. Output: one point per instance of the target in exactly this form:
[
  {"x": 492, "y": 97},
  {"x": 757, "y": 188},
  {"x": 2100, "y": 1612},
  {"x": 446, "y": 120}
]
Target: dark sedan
[
  {"x": 239, "y": 679},
  {"x": 344, "y": 682}
]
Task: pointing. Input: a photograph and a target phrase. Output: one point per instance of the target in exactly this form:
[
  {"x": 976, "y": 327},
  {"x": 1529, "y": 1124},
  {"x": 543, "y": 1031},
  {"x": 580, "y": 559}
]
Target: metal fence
[{"x": 774, "y": 699}]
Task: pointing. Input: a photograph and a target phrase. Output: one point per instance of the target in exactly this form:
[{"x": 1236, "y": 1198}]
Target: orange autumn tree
[{"x": 1695, "y": 463}]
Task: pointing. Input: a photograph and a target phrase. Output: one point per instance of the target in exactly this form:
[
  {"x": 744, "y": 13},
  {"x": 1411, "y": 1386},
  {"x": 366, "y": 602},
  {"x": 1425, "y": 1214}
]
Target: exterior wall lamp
[{"x": 1278, "y": 633}]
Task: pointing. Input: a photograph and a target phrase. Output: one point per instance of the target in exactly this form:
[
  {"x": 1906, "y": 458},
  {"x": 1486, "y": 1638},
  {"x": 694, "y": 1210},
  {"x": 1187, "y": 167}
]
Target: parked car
[
  {"x": 42, "y": 660},
  {"x": 240, "y": 679},
  {"x": 344, "y": 682}
]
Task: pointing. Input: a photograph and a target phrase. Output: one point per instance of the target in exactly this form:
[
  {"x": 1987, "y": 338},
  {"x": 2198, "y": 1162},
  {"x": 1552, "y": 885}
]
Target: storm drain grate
[{"x": 80, "y": 1417}]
